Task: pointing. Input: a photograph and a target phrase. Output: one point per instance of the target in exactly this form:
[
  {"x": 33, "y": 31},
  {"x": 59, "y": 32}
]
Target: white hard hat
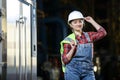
[{"x": 74, "y": 15}]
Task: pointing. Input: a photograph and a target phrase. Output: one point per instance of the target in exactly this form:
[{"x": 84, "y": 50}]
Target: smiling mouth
[{"x": 80, "y": 26}]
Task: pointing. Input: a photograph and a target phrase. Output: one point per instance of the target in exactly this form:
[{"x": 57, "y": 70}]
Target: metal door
[{"x": 20, "y": 41}]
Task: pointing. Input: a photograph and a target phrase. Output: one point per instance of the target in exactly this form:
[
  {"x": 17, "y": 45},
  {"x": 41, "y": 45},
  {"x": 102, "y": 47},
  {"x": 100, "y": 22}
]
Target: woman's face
[{"x": 77, "y": 24}]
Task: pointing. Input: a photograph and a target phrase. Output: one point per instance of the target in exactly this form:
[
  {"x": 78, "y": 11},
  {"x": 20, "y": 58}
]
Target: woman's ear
[{"x": 70, "y": 24}]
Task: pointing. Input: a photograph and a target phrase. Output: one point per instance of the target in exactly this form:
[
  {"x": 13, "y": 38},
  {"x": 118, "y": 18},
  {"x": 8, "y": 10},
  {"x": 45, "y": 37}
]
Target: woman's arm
[
  {"x": 93, "y": 22},
  {"x": 101, "y": 32},
  {"x": 69, "y": 50}
]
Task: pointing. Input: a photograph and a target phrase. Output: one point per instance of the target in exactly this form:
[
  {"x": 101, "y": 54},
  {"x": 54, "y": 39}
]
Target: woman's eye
[{"x": 80, "y": 21}]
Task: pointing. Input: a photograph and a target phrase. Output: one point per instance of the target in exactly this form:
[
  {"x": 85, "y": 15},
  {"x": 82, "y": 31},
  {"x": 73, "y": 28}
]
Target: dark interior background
[{"x": 52, "y": 28}]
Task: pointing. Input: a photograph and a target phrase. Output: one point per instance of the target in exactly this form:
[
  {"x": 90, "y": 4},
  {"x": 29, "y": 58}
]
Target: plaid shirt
[{"x": 94, "y": 36}]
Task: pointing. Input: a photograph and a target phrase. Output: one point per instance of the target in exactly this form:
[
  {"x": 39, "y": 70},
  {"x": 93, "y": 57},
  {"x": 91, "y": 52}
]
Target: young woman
[{"x": 77, "y": 48}]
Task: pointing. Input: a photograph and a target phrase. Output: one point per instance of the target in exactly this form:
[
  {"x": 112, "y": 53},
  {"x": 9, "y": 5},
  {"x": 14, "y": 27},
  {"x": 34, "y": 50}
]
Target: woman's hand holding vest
[{"x": 72, "y": 51}]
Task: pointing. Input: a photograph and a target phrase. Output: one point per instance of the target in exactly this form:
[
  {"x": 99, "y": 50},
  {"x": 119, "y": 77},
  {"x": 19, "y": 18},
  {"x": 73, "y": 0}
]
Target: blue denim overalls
[{"x": 81, "y": 66}]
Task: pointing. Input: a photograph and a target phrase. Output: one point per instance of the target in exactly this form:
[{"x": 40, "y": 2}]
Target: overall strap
[{"x": 87, "y": 36}]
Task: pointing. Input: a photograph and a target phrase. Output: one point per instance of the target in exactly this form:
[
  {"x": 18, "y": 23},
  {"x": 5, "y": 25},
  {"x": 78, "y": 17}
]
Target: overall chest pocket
[{"x": 84, "y": 49}]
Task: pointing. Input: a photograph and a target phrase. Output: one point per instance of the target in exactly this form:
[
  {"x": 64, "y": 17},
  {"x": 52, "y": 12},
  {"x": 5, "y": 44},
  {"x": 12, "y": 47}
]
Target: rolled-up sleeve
[
  {"x": 94, "y": 36},
  {"x": 67, "y": 48}
]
